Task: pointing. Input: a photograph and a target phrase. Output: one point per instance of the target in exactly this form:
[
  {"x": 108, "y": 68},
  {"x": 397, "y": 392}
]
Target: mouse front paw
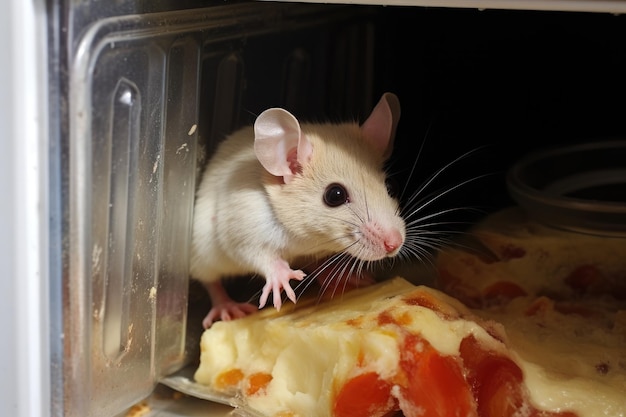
[
  {"x": 227, "y": 310},
  {"x": 278, "y": 280}
]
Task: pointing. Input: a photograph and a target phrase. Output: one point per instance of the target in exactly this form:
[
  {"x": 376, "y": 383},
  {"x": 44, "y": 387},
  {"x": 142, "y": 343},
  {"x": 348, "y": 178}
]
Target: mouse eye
[{"x": 335, "y": 195}]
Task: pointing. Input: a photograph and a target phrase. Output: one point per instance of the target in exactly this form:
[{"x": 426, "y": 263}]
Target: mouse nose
[{"x": 393, "y": 241}]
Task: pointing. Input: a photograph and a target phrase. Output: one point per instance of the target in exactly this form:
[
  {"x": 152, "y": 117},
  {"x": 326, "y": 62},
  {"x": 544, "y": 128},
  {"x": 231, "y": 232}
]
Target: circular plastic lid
[{"x": 580, "y": 188}]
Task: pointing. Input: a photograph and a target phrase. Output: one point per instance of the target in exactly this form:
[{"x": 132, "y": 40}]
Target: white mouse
[{"x": 282, "y": 191}]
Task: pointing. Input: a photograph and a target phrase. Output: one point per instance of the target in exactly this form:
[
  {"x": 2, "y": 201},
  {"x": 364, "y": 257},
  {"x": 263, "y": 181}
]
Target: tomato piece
[
  {"x": 458, "y": 289},
  {"x": 585, "y": 279},
  {"x": 434, "y": 385},
  {"x": 500, "y": 391},
  {"x": 536, "y": 413},
  {"x": 229, "y": 379},
  {"x": 364, "y": 395},
  {"x": 503, "y": 290},
  {"x": 258, "y": 382},
  {"x": 540, "y": 306},
  {"x": 495, "y": 380},
  {"x": 497, "y": 383},
  {"x": 428, "y": 300},
  {"x": 510, "y": 251},
  {"x": 385, "y": 317}
]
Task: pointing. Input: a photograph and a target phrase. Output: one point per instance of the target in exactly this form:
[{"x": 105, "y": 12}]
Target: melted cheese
[
  {"x": 570, "y": 361},
  {"x": 537, "y": 258},
  {"x": 311, "y": 350}
]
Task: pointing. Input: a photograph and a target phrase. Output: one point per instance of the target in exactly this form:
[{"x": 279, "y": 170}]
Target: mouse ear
[
  {"x": 380, "y": 127},
  {"x": 279, "y": 143}
]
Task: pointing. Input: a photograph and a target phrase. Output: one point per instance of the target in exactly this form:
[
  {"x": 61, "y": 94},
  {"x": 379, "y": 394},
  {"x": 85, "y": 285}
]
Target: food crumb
[
  {"x": 181, "y": 148},
  {"x": 138, "y": 410},
  {"x": 156, "y": 164},
  {"x": 95, "y": 258},
  {"x": 152, "y": 295}
]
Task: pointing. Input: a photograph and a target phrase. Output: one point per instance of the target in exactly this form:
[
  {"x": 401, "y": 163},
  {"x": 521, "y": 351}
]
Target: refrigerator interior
[{"x": 139, "y": 93}]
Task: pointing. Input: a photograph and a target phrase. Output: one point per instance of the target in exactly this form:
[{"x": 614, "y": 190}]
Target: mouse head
[{"x": 330, "y": 186}]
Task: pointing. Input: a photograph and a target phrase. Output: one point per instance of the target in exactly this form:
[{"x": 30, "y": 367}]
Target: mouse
[{"x": 281, "y": 191}]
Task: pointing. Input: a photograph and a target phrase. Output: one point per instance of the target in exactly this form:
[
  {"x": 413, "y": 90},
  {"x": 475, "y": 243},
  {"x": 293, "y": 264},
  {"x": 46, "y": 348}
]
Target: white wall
[{"x": 24, "y": 352}]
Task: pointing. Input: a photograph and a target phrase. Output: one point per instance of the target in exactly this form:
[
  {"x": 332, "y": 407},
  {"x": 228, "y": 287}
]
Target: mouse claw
[
  {"x": 278, "y": 281},
  {"x": 228, "y": 310}
]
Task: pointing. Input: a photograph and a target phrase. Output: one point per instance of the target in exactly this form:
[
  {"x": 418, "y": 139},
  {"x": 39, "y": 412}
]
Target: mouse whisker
[
  {"x": 417, "y": 229},
  {"x": 417, "y": 158},
  {"x": 420, "y": 232},
  {"x": 338, "y": 264},
  {"x": 430, "y": 242},
  {"x": 301, "y": 287},
  {"x": 417, "y": 249},
  {"x": 355, "y": 272},
  {"x": 351, "y": 223},
  {"x": 318, "y": 245},
  {"x": 432, "y": 177},
  {"x": 430, "y": 198},
  {"x": 326, "y": 263},
  {"x": 424, "y": 234},
  {"x": 367, "y": 209},
  {"x": 357, "y": 215},
  {"x": 340, "y": 275},
  {"x": 257, "y": 294},
  {"x": 429, "y": 180},
  {"x": 346, "y": 269},
  {"x": 420, "y": 220}
]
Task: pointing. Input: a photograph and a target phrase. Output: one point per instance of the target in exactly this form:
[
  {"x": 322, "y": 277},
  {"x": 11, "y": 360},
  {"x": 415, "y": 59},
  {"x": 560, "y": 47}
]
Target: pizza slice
[
  {"x": 521, "y": 337},
  {"x": 509, "y": 255}
]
